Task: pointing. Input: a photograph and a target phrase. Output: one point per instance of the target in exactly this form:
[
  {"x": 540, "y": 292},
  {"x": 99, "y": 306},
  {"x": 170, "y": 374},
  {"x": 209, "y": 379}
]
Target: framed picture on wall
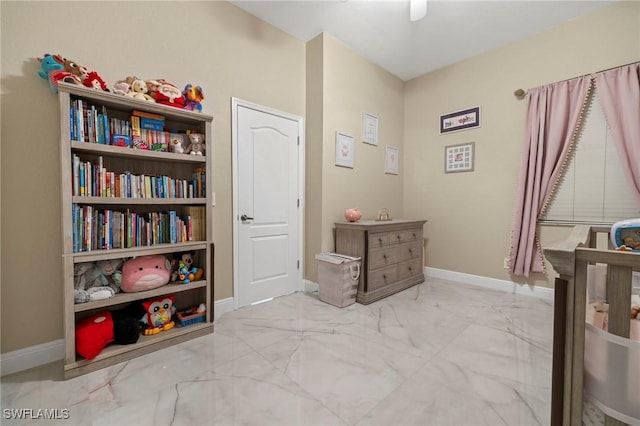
[
  {"x": 460, "y": 120},
  {"x": 391, "y": 160},
  {"x": 459, "y": 158},
  {"x": 344, "y": 150},
  {"x": 369, "y": 129}
]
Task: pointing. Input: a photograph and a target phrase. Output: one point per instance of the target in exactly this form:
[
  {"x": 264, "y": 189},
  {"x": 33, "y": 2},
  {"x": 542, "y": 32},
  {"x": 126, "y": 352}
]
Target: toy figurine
[{"x": 193, "y": 96}]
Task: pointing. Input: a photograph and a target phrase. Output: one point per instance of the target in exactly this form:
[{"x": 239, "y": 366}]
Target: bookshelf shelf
[
  {"x": 121, "y": 201},
  {"x": 179, "y": 191},
  {"x": 120, "y": 152},
  {"x": 119, "y": 298},
  {"x": 95, "y": 255},
  {"x": 114, "y": 354}
]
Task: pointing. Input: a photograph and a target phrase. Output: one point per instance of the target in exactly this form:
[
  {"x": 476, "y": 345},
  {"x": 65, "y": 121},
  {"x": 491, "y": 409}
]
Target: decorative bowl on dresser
[{"x": 391, "y": 253}]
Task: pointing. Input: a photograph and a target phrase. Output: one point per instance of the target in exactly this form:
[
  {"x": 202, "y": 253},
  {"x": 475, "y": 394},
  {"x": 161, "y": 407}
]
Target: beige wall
[
  {"x": 230, "y": 53},
  {"x": 314, "y": 156},
  {"x": 350, "y": 86},
  {"x": 213, "y": 44},
  {"x": 470, "y": 214}
]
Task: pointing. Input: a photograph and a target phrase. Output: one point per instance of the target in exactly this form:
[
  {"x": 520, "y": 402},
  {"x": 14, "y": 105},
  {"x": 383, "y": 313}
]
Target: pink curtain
[
  {"x": 554, "y": 113},
  {"x": 619, "y": 94}
]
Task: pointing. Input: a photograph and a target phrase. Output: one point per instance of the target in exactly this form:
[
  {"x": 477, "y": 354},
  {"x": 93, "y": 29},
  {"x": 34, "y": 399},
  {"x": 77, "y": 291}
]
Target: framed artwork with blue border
[{"x": 460, "y": 120}]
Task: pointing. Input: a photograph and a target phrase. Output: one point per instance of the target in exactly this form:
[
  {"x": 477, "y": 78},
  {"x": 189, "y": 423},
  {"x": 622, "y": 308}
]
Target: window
[{"x": 593, "y": 189}]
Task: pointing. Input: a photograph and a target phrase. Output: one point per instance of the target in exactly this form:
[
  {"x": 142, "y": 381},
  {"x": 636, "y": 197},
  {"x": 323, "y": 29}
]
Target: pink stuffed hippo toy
[{"x": 145, "y": 273}]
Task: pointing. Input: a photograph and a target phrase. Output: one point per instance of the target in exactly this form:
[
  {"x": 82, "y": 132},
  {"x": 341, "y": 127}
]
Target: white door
[{"x": 266, "y": 203}]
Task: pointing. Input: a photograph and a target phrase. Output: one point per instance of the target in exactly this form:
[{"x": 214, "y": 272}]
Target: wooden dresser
[{"x": 391, "y": 253}]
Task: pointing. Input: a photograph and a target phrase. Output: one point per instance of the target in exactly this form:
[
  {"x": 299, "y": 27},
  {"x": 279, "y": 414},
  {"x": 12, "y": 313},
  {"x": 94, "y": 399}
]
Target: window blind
[{"x": 593, "y": 188}]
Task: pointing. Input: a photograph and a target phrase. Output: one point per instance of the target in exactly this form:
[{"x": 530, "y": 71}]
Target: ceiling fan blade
[{"x": 417, "y": 9}]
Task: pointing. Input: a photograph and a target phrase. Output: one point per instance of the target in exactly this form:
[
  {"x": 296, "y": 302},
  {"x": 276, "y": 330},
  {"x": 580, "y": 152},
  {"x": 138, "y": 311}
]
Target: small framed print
[
  {"x": 344, "y": 150},
  {"x": 459, "y": 158},
  {"x": 460, "y": 120},
  {"x": 391, "y": 160},
  {"x": 369, "y": 129}
]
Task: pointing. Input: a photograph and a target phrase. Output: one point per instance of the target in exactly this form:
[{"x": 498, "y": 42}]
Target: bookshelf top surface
[{"x": 120, "y": 101}]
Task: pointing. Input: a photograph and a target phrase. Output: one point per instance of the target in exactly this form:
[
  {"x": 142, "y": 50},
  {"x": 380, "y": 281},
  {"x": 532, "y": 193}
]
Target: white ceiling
[{"x": 452, "y": 30}]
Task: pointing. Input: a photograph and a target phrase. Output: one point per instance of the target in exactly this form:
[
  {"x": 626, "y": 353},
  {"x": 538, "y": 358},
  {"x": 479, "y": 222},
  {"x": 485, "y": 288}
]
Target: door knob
[{"x": 244, "y": 218}]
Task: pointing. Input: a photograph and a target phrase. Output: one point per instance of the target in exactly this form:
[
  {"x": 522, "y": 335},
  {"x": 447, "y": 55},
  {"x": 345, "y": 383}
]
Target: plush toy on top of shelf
[
  {"x": 52, "y": 70},
  {"x": 72, "y": 67},
  {"x": 193, "y": 96},
  {"x": 139, "y": 91},
  {"x": 96, "y": 281},
  {"x": 56, "y": 68},
  {"x": 122, "y": 87},
  {"x": 94, "y": 81},
  {"x": 168, "y": 94}
]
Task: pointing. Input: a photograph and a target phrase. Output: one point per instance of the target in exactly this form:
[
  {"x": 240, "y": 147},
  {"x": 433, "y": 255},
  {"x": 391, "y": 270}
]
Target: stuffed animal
[
  {"x": 73, "y": 68},
  {"x": 196, "y": 144},
  {"x": 152, "y": 86},
  {"x": 176, "y": 144},
  {"x": 183, "y": 268},
  {"x": 53, "y": 71},
  {"x": 96, "y": 281},
  {"x": 122, "y": 87},
  {"x": 139, "y": 91},
  {"x": 168, "y": 94},
  {"x": 94, "y": 81},
  {"x": 145, "y": 273},
  {"x": 193, "y": 96},
  {"x": 158, "y": 315},
  {"x": 94, "y": 333}
]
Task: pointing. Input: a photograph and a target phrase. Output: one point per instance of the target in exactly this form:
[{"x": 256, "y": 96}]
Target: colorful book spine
[{"x": 151, "y": 124}]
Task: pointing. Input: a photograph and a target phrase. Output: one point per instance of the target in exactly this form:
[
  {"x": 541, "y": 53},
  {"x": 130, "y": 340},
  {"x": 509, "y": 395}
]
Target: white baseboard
[
  {"x": 34, "y": 356},
  {"x": 222, "y": 306},
  {"x": 309, "y": 286},
  {"x": 492, "y": 283}
]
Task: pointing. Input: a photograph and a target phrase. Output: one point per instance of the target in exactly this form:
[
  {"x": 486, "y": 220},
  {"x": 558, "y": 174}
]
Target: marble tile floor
[{"x": 440, "y": 353}]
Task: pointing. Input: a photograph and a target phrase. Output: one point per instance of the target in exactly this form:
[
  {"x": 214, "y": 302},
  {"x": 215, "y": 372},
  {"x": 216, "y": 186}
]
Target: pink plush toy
[{"x": 145, "y": 273}]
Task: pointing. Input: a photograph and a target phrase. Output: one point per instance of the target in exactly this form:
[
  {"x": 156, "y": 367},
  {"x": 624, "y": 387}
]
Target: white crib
[{"x": 603, "y": 366}]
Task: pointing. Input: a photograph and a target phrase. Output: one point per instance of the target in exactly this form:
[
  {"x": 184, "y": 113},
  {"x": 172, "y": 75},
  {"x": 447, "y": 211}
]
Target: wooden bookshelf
[{"x": 139, "y": 162}]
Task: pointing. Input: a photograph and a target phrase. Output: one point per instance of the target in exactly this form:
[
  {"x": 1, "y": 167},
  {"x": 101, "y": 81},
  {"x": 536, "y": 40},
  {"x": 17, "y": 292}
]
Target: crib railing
[{"x": 570, "y": 259}]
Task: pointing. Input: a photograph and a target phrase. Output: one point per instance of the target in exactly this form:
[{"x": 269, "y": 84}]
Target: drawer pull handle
[
  {"x": 384, "y": 276},
  {"x": 414, "y": 235},
  {"x": 398, "y": 236},
  {"x": 410, "y": 251}
]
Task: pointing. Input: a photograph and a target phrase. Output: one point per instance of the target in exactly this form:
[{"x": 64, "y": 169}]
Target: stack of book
[
  {"x": 147, "y": 131},
  {"x": 92, "y": 179},
  {"x": 104, "y": 229},
  {"x": 88, "y": 123}
]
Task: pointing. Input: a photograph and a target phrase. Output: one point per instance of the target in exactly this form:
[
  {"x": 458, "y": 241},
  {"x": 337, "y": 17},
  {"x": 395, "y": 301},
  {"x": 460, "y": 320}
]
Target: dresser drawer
[
  {"x": 409, "y": 269},
  {"x": 383, "y": 257},
  {"x": 378, "y": 240},
  {"x": 382, "y": 277},
  {"x": 409, "y": 251},
  {"x": 406, "y": 236}
]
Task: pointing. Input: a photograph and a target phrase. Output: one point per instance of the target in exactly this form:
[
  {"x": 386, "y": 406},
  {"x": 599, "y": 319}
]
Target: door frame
[{"x": 235, "y": 103}]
